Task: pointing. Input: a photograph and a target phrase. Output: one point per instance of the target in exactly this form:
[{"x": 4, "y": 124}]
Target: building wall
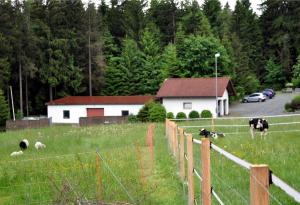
[
  {"x": 175, "y": 105},
  {"x": 77, "y": 111}
]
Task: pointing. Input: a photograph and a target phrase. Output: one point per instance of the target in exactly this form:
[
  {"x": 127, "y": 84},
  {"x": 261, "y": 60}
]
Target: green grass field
[
  {"x": 57, "y": 175},
  {"x": 280, "y": 150},
  {"x": 66, "y": 170}
]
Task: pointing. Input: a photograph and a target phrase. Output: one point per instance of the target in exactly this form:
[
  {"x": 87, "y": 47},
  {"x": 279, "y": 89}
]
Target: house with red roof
[
  {"x": 69, "y": 109},
  {"x": 187, "y": 94}
]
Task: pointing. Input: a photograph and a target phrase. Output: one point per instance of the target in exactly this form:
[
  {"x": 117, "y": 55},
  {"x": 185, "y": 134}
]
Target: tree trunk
[
  {"x": 26, "y": 95},
  {"x": 50, "y": 93},
  {"x": 21, "y": 88},
  {"x": 90, "y": 61}
]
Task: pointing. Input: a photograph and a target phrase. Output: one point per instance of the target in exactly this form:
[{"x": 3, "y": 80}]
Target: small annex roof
[
  {"x": 195, "y": 87},
  {"x": 102, "y": 100}
]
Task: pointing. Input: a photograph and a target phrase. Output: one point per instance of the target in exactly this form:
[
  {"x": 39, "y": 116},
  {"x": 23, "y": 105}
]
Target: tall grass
[
  {"x": 280, "y": 150},
  {"x": 65, "y": 171}
]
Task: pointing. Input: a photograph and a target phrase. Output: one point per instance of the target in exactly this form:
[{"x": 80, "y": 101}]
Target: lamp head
[{"x": 217, "y": 55}]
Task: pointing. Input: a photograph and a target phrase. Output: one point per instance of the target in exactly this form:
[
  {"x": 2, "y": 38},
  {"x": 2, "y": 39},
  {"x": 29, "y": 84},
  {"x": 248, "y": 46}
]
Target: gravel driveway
[{"x": 273, "y": 106}]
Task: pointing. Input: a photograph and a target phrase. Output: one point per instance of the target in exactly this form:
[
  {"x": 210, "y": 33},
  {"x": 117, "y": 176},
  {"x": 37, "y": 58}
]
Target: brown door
[{"x": 95, "y": 112}]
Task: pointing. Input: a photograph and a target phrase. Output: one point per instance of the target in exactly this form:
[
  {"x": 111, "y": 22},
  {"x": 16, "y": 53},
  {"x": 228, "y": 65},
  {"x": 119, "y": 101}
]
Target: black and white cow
[
  {"x": 258, "y": 124},
  {"x": 206, "y": 133},
  {"x": 24, "y": 144}
]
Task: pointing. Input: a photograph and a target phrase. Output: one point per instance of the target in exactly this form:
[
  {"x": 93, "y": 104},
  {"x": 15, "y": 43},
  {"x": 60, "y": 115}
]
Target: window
[
  {"x": 66, "y": 114},
  {"x": 187, "y": 105},
  {"x": 125, "y": 112}
]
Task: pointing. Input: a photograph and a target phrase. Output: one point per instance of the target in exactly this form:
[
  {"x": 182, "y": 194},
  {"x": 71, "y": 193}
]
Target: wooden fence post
[
  {"x": 206, "y": 183},
  {"x": 182, "y": 160},
  {"x": 176, "y": 150},
  {"x": 259, "y": 185},
  {"x": 98, "y": 176},
  {"x": 191, "y": 193}
]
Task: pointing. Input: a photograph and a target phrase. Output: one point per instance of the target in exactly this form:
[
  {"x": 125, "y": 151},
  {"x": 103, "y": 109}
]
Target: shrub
[
  {"x": 206, "y": 114},
  {"x": 170, "y": 115},
  {"x": 194, "y": 114},
  {"x": 143, "y": 114},
  {"x": 132, "y": 118},
  {"x": 288, "y": 107},
  {"x": 181, "y": 115},
  {"x": 295, "y": 104},
  {"x": 157, "y": 113}
]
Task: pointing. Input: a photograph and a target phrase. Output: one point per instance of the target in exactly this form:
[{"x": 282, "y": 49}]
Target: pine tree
[
  {"x": 165, "y": 16},
  {"x": 212, "y": 10},
  {"x": 152, "y": 73},
  {"x": 194, "y": 21},
  {"x": 246, "y": 26},
  {"x": 124, "y": 74},
  {"x": 170, "y": 62},
  {"x": 4, "y": 110}
]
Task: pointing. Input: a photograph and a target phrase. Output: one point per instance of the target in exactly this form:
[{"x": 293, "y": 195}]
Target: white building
[
  {"x": 187, "y": 94},
  {"x": 70, "y": 109}
]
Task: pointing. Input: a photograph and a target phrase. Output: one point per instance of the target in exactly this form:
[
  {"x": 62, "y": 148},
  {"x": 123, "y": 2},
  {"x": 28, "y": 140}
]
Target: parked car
[
  {"x": 270, "y": 90},
  {"x": 268, "y": 94},
  {"x": 255, "y": 97}
]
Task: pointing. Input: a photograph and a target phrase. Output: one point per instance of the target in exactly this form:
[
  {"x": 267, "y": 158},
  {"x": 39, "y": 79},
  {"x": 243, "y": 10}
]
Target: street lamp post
[{"x": 216, "y": 66}]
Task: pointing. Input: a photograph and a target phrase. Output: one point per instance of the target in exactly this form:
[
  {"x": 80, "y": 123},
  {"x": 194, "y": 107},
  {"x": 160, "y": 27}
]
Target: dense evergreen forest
[{"x": 131, "y": 46}]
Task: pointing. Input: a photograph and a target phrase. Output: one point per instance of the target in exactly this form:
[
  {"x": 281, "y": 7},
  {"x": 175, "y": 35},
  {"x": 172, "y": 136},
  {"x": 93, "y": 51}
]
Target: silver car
[{"x": 255, "y": 97}]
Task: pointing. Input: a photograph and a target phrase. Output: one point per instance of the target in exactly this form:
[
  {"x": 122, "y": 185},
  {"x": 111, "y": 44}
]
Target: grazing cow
[
  {"x": 206, "y": 133},
  {"x": 14, "y": 154},
  {"x": 258, "y": 124},
  {"x": 24, "y": 144},
  {"x": 39, "y": 145}
]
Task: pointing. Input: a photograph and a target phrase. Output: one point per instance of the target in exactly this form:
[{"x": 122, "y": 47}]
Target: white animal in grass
[
  {"x": 39, "y": 145},
  {"x": 14, "y": 154}
]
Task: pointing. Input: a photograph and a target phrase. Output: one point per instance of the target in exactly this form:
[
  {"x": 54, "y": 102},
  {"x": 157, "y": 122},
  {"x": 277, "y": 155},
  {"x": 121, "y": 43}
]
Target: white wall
[
  {"x": 76, "y": 111},
  {"x": 175, "y": 105}
]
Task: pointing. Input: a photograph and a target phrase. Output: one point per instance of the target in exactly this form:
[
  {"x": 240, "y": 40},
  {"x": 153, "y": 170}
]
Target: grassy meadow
[
  {"x": 65, "y": 171},
  {"x": 280, "y": 150}
]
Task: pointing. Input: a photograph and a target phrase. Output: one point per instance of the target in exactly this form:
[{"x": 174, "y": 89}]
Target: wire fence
[{"x": 260, "y": 175}]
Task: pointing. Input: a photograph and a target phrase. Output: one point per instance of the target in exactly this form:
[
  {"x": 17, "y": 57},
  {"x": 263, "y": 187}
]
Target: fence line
[
  {"x": 259, "y": 174},
  {"x": 231, "y": 118},
  {"x": 199, "y": 126}
]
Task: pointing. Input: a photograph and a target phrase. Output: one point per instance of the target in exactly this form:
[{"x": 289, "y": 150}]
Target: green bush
[
  {"x": 170, "y": 115},
  {"x": 143, "y": 114},
  {"x": 181, "y": 115},
  {"x": 295, "y": 104},
  {"x": 206, "y": 114},
  {"x": 132, "y": 118},
  {"x": 288, "y": 107},
  {"x": 296, "y": 82},
  {"x": 194, "y": 114},
  {"x": 157, "y": 113}
]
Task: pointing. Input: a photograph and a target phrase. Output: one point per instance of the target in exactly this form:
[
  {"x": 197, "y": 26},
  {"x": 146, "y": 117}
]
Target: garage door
[{"x": 95, "y": 112}]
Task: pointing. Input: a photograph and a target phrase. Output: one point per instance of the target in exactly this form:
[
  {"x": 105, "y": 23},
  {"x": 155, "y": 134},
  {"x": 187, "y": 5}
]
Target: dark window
[
  {"x": 66, "y": 114},
  {"x": 125, "y": 112},
  {"x": 187, "y": 105}
]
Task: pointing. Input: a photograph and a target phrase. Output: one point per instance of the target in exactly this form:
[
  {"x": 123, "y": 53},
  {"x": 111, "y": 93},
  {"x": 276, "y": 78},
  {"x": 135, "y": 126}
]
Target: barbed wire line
[
  {"x": 230, "y": 156},
  {"x": 231, "y": 118},
  {"x": 231, "y": 188},
  {"x": 235, "y": 125},
  {"x": 116, "y": 178},
  {"x": 51, "y": 157}
]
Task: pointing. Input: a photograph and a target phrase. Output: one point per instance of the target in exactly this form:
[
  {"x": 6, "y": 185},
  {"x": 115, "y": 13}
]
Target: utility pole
[{"x": 90, "y": 61}]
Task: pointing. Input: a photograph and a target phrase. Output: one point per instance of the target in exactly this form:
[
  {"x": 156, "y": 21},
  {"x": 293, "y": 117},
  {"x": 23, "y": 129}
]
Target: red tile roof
[
  {"x": 195, "y": 87},
  {"x": 97, "y": 100}
]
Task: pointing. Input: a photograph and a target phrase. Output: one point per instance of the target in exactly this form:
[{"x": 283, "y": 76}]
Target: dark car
[{"x": 270, "y": 93}]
